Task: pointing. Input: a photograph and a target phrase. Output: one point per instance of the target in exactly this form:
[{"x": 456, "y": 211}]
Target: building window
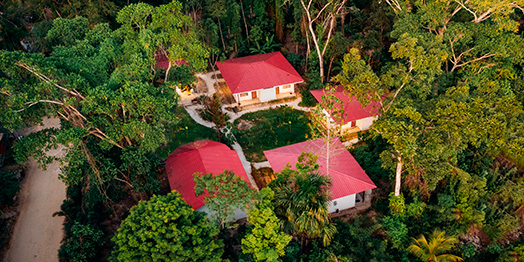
[
  {"x": 244, "y": 94},
  {"x": 286, "y": 86}
]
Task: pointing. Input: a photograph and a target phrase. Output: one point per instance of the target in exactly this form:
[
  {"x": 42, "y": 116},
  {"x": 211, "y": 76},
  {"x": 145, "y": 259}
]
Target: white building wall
[
  {"x": 239, "y": 213},
  {"x": 289, "y": 89},
  {"x": 365, "y": 123},
  {"x": 240, "y": 98},
  {"x": 341, "y": 203},
  {"x": 347, "y": 126},
  {"x": 268, "y": 94}
]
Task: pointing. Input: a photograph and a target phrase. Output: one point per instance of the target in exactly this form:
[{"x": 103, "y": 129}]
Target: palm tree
[
  {"x": 436, "y": 249},
  {"x": 301, "y": 202}
]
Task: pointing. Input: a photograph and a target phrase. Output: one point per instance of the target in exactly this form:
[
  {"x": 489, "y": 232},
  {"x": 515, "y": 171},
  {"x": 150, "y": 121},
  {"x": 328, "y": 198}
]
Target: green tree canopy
[
  {"x": 301, "y": 201},
  {"x": 100, "y": 83},
  {"x": 448, "y": 90},
  {"x": 165, "y": 228},
  {"x": 225, "y": 193},
  {"x": 266, "y": 241},
  {"x": 436, "y": 249}
]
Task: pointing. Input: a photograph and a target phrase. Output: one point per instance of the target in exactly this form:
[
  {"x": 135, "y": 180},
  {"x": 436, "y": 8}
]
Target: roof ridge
[
  {"x": 265, "y": 62},
  {"x": 201, "y": 160},
  {"x": 340, "y": 174}
]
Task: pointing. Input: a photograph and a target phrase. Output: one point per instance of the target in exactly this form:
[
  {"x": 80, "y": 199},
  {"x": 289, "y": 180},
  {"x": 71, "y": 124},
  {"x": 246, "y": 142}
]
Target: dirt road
[{"x": 37, "y": 234}]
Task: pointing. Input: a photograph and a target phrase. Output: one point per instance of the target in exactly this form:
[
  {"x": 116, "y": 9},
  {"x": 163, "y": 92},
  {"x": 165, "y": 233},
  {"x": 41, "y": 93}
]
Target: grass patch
[
  {"x": 182, "y": 132},
  {"x": 270, "y": 129}
]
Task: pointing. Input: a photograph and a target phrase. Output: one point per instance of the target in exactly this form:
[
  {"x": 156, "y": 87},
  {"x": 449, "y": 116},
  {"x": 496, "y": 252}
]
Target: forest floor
[{"x": 37, "y": 233}]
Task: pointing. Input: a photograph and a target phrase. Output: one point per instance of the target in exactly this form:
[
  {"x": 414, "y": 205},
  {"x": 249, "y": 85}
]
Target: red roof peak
[
  {"x": 347, "y": 176},
  {"x": 244, "y": 74},
  {"x": 204, "y": 156},
  {"x": 353, "y": 109}
]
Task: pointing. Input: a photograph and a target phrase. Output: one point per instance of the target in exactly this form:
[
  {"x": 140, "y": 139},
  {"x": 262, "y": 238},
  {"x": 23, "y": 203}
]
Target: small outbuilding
[
  {"x": 204, "y": 156},
  {"x": 162, "y": 61},
  {"x": 349, "y": 183},
  {"x": 356, "y": 118},
  {"x": 259, "y": 78}
]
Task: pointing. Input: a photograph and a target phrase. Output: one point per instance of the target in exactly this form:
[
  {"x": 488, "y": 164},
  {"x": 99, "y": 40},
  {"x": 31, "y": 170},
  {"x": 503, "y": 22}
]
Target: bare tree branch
[{"x": 47, "y": 80}]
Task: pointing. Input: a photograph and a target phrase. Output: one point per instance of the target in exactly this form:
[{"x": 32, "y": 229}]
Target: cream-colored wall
[
  {"x": 266, "y": 94},
  {"x": 238, "y": 98},
  {"x": 290, "y": 89},
  {"x": 365, "y": 123}
]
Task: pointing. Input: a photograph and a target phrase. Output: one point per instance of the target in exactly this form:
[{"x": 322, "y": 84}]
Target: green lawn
[
  {"x": 271, "y": 129},
  {"x": 183, "y": 132}
]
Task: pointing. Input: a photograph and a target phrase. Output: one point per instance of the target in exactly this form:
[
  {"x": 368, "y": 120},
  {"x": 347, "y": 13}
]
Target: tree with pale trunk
[
  {"x": 326, "y": 122},
  {"x": 448, "y": 89},
  {"x": 320, "y": 17}
]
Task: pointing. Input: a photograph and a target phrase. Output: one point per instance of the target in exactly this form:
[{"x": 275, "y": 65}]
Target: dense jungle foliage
[{"x": 446, "y": 152}]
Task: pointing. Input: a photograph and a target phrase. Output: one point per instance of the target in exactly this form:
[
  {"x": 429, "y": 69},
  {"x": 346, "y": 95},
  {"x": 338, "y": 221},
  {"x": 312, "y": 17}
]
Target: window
[
  {"x": 244, "y": 94},
  {"x": 286, "y": 86}
]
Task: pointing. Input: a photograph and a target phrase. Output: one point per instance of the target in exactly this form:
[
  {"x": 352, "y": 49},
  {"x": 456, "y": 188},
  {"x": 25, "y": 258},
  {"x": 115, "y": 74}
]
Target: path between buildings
[
  {"x": 37, "y": 234},
  {"x": 193, "y": 111}
]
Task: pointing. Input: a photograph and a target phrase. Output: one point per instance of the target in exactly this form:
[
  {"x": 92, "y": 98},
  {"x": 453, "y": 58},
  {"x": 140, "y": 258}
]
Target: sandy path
[{"x": 37, "y": 234}]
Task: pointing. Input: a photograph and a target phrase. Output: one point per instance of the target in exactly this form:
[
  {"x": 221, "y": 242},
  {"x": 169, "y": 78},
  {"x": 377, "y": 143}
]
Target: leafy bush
[
  {"x": 313, "y": 82},
  {"x": 296, "y": 60},
  {"x": 165, "y": 228},
  {"x": 10, "y": 187},
  {"x": 82, "y": 243},
  {"x": 396, "y": 230}
]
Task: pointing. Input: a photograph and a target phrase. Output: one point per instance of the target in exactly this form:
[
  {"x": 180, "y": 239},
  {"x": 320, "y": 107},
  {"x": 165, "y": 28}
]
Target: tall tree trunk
[
  {"x": 244, "y": 17},
  {"x": 167, "y": 71},
  {"x": 221, "y": 35},
  {"x": 308, "y": 50},
  {"x": 330, "y": 64},
  {"x": 398, "y": 174}
]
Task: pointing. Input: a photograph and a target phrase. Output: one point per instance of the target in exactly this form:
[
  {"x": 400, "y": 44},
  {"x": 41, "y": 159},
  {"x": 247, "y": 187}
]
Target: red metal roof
[
  {"x": 163, "y": 62},
  {"x": 255, "y": 72},
  {"x": 203, "y": 156},
  {"x": 352, "y": 107},
  {"x": 347, "y": 177}
]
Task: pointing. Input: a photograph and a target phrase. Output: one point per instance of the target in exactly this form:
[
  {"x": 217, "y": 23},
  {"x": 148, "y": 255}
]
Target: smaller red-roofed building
[
  {"x": 204, "y": 156},
  {"x": 349, "y": 182},
  {"x": 163, "y": 62},
  {"x": 259, "y": 78},
  {"x": 356, "y": 118}
]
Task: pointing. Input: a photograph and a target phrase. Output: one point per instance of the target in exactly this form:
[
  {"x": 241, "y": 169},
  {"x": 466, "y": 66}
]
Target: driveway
[{"x": 37, "y": 233}]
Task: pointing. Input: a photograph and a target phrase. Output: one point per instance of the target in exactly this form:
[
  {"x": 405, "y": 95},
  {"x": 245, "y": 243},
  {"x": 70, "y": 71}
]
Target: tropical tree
[
  {"x": 166, "y": 228},
  {"x": 301, "y": 201},
  {"x": 436, "y": 250},
  {"x": 327, "y": 121},
  {"x": 91, "y": 240},
  {"x": 448, "y": 90},
  {"x": 266, "y": 241},
  {"x": 321, "y": 18},
  {"x": 225, "y": 193},
  {"x": 213, "y": 112},
  {"x": 99, "y": 82}
]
